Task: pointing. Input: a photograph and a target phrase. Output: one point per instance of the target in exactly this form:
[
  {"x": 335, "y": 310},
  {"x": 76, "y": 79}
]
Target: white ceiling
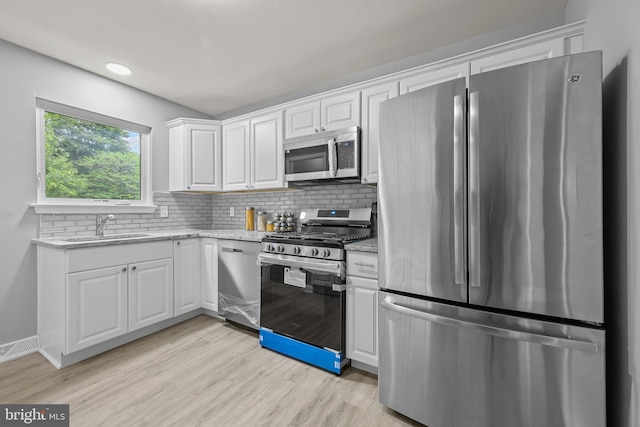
[{"x": 219, "y": 55}]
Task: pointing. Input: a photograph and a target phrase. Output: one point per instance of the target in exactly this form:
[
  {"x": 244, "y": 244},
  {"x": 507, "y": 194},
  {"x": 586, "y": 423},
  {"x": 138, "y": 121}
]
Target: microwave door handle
[{"x": 333, "y": 167}]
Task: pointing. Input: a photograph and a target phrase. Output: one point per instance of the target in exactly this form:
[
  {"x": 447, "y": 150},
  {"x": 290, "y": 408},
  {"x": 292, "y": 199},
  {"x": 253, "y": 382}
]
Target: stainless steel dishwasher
[{"x": 239, "y": 282}]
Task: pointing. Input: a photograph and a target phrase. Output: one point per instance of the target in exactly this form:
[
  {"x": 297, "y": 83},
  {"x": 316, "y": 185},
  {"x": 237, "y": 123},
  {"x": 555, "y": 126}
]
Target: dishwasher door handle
[{"x": 238, "y": 251}]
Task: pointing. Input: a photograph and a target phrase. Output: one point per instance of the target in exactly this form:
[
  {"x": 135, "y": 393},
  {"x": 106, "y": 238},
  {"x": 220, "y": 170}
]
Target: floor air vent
[{"x": 19, "y": 348}]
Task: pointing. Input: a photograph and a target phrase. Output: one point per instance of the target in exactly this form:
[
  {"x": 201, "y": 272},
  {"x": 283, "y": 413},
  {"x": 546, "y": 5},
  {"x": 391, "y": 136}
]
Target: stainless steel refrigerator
[{"x": 491, "y": 260}]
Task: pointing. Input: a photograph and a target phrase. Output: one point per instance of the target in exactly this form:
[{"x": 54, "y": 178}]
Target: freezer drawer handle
[{"x": 493, "y": 330}]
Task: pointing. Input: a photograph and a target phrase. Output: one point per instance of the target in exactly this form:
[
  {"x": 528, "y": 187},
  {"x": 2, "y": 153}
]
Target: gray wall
[
  {"x": 612, "y": 26},
  {"x": 469, "y": 45},
  {"x": 25, "y": 75}
]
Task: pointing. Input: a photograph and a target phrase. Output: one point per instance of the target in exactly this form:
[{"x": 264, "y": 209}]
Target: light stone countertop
[
  {"x": 150, "y": 236},
  {"x": 369, "y": 245}
]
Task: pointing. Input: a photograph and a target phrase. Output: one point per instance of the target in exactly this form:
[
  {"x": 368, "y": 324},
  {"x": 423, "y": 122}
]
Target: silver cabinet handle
[
  {"x": 459, "y": 196},
  {"x": 362, "y": 264},
  {"x": 493, "y": 330},
  {"x": 474, "y": 191}
]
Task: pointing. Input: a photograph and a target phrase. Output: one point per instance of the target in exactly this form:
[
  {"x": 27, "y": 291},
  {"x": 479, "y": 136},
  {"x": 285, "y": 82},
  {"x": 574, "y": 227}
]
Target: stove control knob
[
  {"x": 270, "y": 248},
  {"x": 296, "y": 250},
  {"x": 326, "y": 253},
  {"x": 314, "y": 252},
  {"x": 280, "y": 248}
]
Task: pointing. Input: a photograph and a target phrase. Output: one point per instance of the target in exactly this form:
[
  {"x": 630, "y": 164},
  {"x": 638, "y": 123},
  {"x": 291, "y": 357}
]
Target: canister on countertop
[
  {"x": 262, "y": 221},
  {"x": 270, "y": 226},
  {"x": 249, "y": 218}
]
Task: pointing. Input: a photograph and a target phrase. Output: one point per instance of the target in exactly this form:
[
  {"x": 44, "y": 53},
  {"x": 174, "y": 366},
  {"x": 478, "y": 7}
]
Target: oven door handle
[{"x": 314, "y": 265}]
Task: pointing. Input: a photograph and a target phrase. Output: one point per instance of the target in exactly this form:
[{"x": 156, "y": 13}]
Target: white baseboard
[{"x": 19, "y": 348}]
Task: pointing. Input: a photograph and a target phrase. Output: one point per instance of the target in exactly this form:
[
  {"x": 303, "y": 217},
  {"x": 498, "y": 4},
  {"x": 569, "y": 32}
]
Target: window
[{"x": 87, "y": 159}]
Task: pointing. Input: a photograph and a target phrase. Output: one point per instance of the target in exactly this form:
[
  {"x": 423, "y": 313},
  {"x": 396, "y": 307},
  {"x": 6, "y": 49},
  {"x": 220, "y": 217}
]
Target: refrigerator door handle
[
  {"x": 474, "y": 191},
  {"x": 559, "y": 342},
  {"x": 459, "y": 198}
]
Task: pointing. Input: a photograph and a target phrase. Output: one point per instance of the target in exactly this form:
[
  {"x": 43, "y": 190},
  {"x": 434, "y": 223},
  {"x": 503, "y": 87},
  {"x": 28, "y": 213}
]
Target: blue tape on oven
[{"x": 326, "y": 359}]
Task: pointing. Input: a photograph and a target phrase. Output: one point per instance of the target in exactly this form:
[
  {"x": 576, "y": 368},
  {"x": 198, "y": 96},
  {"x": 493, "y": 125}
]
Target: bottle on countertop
[
  {"x": 262, "y": 221},
  {"x": 249, "y": 218}
]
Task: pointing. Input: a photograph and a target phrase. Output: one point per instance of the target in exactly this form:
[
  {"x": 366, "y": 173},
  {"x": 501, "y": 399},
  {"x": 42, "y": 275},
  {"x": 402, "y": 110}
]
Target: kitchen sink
[{"x": 107, "y": 237}]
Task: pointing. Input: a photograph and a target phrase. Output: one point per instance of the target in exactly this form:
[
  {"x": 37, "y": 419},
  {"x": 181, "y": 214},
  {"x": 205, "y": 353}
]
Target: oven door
[{"x": 304, "y": 299}]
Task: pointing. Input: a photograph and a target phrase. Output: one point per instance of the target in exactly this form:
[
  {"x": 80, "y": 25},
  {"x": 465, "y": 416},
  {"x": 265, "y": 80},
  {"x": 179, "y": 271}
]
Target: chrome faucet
[{"x": 101, "y": 223}]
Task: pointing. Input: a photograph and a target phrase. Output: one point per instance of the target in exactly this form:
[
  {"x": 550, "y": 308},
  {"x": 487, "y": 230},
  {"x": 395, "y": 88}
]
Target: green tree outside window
[{"x": 89, "y": 160}]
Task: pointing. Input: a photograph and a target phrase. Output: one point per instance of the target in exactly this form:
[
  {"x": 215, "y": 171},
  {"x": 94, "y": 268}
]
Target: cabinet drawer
[
  {"x": 82, "y": 259},
  {"x": 361, "y": 282},
  {"x": 362, "y": 264}
]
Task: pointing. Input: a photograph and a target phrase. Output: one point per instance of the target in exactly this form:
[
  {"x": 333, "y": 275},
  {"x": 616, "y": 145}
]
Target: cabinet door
[
  {"x": 339, "y": 112},
  {"x": 434, "y": 77},
  {"x": 150, "y": 292},
  {"x": 96, "y": 306},
  {"x": 522, "y": 55},
  {"x": 302, "y": 120},
  {"x": 266, "y": 152},
  {"x": 186, "y": 259},
  {"x": 209, "y": 274},
  {"x": 362, "y": 320},
  {"x": 371, "y": 99},
  {"x": 195, "y": 152},
  {"x": 236, "y": 155},
  {"x": 204, "y": 163}
]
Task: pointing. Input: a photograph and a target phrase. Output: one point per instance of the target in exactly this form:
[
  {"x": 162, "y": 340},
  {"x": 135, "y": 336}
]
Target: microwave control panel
[{"x": 346, "y": 155}]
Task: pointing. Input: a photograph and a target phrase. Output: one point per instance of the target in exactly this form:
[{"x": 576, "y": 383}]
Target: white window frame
[{"x": 63, "y": 205}]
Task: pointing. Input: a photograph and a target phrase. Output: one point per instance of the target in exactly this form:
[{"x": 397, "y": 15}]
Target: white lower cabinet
[
  {"x": 362, "y": 320},
  {"x": 209, "y": 274},
  {"x": 362, "y": 310},
  {"x": 88, "y": 296},
  {"x": 186, "y": 259},
  {"x": 150, "y": 293},
  {"x": 96, "y": 306}
]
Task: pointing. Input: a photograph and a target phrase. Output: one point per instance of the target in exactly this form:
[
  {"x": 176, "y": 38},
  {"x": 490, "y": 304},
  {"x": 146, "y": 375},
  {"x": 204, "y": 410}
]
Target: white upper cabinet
[
  {"x": 302, "y": 120},
  {"x": 534, "y": 52},
  {"x": 252, "y": 153},
  {"x": 267, "y": 158},
  {"x": 430, "y": 78},
  {"x": 371, "y": 99},
  {"x": 236, "y": 155},
  {"x": 195, "y": 162},
  {"x": 332, "y": 113}
]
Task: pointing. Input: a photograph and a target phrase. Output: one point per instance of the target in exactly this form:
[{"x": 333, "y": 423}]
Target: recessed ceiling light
[{"x": 118, "y": 69}]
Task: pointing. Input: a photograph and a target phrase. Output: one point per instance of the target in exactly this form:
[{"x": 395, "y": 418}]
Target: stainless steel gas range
[{"x": 303, "y": 291}]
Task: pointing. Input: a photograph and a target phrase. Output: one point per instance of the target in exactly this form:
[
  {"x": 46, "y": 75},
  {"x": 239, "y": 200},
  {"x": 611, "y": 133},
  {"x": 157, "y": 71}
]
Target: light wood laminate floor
[{"x": 202, "y": 372}]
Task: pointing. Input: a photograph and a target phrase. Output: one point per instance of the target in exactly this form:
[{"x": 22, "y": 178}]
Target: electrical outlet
[
  {"x": 232, "y": 211},
  {"x": 164, "y": 211}
]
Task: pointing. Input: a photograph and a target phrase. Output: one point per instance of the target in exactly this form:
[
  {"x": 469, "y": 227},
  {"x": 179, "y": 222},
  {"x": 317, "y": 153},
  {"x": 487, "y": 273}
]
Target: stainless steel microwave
[{"x": 323, "y": 156}]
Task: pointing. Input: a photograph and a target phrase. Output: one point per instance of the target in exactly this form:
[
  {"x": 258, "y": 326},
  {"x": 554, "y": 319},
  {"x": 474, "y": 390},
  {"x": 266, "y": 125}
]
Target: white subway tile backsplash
[
  {"x": 204, "y": 211},
  {"x": 185, "y": 211}
]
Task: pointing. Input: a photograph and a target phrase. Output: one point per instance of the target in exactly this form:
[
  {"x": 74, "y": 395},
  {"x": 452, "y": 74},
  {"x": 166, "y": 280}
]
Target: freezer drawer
[{"x": 448, "y": 366}]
